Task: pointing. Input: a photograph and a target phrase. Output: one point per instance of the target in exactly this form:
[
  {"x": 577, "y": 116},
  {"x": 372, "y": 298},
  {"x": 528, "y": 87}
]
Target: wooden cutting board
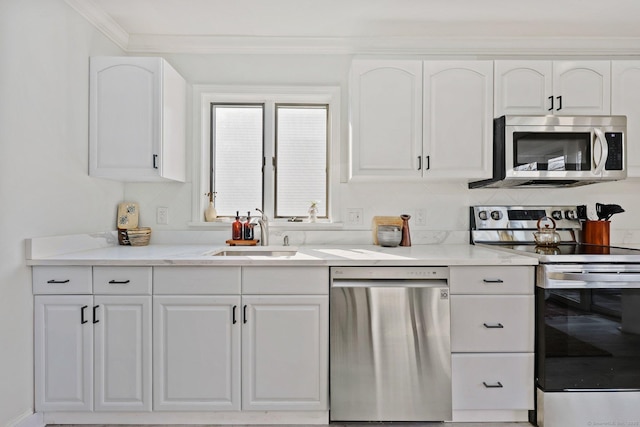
[
  {"x": 242, "y": 242},
  {"x": 127, "y": 215},
  {"x": 383, "y": 220}
]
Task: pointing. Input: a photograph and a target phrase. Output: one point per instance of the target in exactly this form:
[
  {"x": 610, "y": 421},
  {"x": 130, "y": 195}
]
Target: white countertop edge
[{"x": 330, "y": 255}]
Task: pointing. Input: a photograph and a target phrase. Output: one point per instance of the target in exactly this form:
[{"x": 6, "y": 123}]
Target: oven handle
[{"x": 618, "y": 277}]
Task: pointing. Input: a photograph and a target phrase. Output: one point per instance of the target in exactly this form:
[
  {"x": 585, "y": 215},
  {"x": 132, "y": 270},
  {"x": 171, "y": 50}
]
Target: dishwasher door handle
[{"x": 383, "y": 283}]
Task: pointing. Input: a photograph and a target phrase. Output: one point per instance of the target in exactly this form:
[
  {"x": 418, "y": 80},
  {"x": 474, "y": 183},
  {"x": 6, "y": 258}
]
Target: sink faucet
[{"x": 264, "y": 228}]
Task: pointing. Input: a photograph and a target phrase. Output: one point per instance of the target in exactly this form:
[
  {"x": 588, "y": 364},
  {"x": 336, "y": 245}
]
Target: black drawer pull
[
  {"x": 95, "y": 314},
  {"x": 498, "y": 384},
  {"x": 119, "y": 282},
  {"x": 58, "y": 281},
  {"x": 494, "y": 326},
  {"x": 244, "y": 314},
  {"x": 234, "y": 314},
  {"x": 493, "y": 280}
]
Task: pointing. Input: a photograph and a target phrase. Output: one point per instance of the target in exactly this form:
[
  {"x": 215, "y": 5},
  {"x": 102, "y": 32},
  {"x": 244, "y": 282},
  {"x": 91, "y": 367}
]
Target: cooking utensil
[
  {"x": 605, "y": 211},
  {"x": 546, "y": 234}
]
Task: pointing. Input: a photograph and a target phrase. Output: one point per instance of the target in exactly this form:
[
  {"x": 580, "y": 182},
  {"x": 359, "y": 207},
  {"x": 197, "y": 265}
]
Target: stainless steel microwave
[{"x": 553, "y": 151}]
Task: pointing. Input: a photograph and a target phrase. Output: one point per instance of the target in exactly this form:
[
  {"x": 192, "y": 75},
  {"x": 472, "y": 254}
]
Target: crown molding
[
  {"x": 102, "y": 21},
  {"x": 494, "y": 46},
  {"x": 432, "y": 46}
]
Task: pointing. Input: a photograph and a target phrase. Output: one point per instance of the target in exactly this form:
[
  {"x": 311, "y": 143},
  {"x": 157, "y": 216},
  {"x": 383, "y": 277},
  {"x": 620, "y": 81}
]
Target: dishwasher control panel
[{"x": 389, "y": 273}]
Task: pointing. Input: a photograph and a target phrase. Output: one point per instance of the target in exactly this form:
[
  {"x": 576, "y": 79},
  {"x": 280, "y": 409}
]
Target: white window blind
[
  {"x": 237, "y": 152},
  {"x": 301, "y": 153}
]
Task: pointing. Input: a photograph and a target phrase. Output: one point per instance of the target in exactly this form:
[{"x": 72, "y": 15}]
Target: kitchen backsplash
[{"x": 446, "y": 206}]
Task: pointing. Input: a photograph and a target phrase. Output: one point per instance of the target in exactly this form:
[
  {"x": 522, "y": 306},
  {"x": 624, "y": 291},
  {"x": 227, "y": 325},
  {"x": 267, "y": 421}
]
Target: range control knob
[
  {"x": 570, "y": 215},
  {"x": 482, "y": 215},
  {"x": 496, "y": 215},
  {"x": 556, "y": 215}
]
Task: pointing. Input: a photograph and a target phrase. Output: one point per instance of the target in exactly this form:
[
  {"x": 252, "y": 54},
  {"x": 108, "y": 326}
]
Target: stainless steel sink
[{"x": 251, "y": 251}]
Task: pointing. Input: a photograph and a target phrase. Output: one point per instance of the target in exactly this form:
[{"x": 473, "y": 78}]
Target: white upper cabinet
[
  {"x": 137, "y": 119},
  {"x": 552, "y": 87},
  {"x": 386, "y": 117},
  {"x": 625, "y": 77},
  {"x": 429, "y": 119},
  {"x": 458, "y": 119}
]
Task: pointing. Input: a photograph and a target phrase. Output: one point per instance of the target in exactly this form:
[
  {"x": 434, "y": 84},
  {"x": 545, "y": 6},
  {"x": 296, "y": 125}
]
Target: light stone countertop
[{"x": 82, "y": 250}]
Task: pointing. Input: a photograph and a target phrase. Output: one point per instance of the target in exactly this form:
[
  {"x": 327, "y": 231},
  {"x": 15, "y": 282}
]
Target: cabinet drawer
[
  {"x": 196, "y": 280},
  {"x": 492, "y": 381},
  {"x": 285, "y": 280},
  {"x": 492, "y": 323},
  {"x": 122, "y": 280},
  {"x": 491, "y": 280},
  {"x": 61, "y": 280}
]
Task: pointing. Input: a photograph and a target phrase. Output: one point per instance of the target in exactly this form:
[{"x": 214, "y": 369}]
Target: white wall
[
  {"x": 44, "y": 186},
  {"x": 446, "y": 204}
]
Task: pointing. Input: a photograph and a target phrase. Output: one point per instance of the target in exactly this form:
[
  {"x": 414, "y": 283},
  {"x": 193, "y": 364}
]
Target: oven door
[{"x": 588, "y": 327}]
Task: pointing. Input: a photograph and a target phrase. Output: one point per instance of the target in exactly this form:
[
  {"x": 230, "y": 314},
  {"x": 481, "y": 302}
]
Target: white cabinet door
[
  {"x": 137, "y": 119},
  {"x": 386, "y": 117},
  {"x": 584, "y": 87},
  {"x": 196, "y": 341},
  {"x": 63, "y": 350},
  {"x": 523, "y": 87},
  {"x": 552, "y": 87},
  {"x": 285, "y": 353},
  {"x": 122, "y": 367},
  {"x": 625, "y": 77},
  {"x": 458, "y": 119}
]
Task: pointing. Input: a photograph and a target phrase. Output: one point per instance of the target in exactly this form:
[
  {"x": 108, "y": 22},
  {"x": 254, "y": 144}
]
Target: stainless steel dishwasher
[{"x": 390, "y": 349}]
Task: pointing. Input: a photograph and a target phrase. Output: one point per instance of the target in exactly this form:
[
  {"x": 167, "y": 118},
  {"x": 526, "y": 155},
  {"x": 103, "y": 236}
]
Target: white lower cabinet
[
  {"x": 492, "y": 381},
  {"x": 285, "y": 352},
  {"x": 92, "y": 353},
  {"x": 196, "y": 353},
  {"x": 492, "y": 343},
  {"x": 221, "y": 350}
]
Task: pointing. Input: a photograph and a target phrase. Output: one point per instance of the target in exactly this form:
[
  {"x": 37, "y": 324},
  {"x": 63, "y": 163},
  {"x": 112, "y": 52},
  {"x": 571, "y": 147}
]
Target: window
[{"x": 271, "y": 147}]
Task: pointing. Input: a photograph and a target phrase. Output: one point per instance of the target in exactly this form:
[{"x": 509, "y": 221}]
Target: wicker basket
[{"x": 134, "y": 236}]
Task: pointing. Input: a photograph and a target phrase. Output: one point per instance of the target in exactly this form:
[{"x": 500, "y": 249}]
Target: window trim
[{"x": 205, "y": 95}]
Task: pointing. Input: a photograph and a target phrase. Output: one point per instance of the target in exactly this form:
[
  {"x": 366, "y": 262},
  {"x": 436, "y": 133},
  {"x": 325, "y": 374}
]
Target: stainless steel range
[{"x": 587, "y": 316}]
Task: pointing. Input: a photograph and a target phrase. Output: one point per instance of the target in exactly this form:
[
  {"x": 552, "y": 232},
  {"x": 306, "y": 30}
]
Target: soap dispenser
[
  {"x": 248, "y": 228},
  {"x": 236, "y": 228}
]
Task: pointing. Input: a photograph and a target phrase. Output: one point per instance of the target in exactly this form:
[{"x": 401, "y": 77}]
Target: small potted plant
[{"x": 313, "y": 211}]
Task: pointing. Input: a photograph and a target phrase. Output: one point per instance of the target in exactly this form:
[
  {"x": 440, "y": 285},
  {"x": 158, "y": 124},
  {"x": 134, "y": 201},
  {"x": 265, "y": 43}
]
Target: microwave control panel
[{"x": 614, "y": 159}]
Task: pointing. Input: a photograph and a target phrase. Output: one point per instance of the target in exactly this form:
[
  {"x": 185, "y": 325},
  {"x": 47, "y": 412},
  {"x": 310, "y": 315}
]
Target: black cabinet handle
[
  {"x": 95, "y": 314},
  {"x": 82, "y": 319},
  {"x": 244, "y": 314},
  {"x": 155, "y": 157},
  {"x": 551, "y": 106},
  {"x": 559, "y": 98},
  {"x": 494, "y": 326},
  {"x": 234, "y": 314},
  {"x": 119, "y": 282},
  {"x": 493, "y": 280},
  {"x": 419, "y": 162},
  {"x": 58, "y": 281},
  {"x": 428, "y": 159},
  {"x": 497, "y": 384}
]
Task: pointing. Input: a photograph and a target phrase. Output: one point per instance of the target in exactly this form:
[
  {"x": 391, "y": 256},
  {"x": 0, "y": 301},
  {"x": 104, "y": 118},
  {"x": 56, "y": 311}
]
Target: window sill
[{"x": 275, "y": 225}]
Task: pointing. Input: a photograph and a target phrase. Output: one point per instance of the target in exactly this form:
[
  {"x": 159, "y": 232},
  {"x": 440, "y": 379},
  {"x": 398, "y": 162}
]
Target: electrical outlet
[
  {"x": 354, "y": 216},
  {"x": 421, "y": 217},
  {"x": 162, "y": 215}
]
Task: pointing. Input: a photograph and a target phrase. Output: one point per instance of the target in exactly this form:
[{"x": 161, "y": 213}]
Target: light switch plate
[{"x": 354, "y": 216}]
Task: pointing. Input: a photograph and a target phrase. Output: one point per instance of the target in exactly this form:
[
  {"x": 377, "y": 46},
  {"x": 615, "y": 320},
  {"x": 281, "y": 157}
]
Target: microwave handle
[{"x": 604, "y": 151}]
